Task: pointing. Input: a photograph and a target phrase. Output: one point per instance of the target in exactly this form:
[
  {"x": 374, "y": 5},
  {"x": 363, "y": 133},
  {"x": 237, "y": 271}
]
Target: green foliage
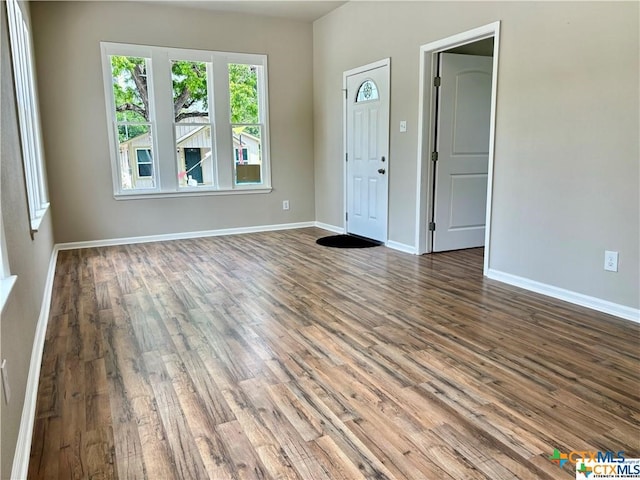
[
  {"x": 127, "y": 132},
  {"x": 130, "y": 88},
  {"x": 243, "y": 92},
  {"x": 190, "y": 96}
]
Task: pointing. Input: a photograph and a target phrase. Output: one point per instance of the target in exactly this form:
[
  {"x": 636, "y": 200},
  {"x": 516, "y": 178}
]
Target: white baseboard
[
  {"x": 594, "y": 303},
  {"x": 331, "y": 228},
  {"x": 182, "y": 236},
  {"x": 401, "y": 247},
  {"x": 23, "y": 445}
]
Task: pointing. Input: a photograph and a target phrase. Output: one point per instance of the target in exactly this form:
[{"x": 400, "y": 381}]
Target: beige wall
[
  {"x": 67, "y": 36},
  {"x": 28, "y": 259},
  {"x": 566, "y": 176}
]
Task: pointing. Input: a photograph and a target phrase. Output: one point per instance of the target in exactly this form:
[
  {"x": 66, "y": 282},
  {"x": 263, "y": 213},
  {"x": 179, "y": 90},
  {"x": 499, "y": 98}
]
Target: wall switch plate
[
  {"x": 403, "y": 126},
  {"x": 611, "y": 261},
  {"x": 285, "y": 204},
  {"x": 5, "y": 382}
]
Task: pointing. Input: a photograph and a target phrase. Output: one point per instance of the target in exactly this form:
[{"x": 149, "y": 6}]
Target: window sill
[
  {"x": 35, "y": 222},
  {"x": 196, "y": 192},
  {"x": 6, "y": 285}
]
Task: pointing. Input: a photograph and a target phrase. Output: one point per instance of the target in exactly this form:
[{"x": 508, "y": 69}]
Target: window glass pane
[
  {"x": 144, "y": 170},
  {"x": 367, "y": 91},
  {"x": 145, "y": 163},
  {"x": 190, "y": 98},
  {"x": 135, "y": 154},
  {"x": 243, "y": 93},
  {"x": 130, "y": 91},
  {"x": 195, "y": 160},
  {"x": 247, "y": 147}
]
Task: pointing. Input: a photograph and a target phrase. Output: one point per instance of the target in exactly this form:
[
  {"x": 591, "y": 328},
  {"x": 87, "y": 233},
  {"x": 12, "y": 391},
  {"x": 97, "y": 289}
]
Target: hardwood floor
[{"x": 267, "y": 356}]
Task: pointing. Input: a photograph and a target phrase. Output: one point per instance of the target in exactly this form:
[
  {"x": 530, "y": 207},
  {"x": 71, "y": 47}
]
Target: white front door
[
  {"x": 464, "y": 113},
  {"x": 367, "y": 140}
]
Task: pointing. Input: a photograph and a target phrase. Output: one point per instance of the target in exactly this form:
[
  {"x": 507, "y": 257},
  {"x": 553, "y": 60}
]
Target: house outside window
[{"x": 169, "y": 136}]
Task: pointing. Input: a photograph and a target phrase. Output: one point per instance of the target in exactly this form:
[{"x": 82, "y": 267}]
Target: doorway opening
[{"x": 455, "y": 158}]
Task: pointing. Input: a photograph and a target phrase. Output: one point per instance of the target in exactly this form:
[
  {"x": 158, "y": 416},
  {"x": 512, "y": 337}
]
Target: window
[
  {"x": 242, "y": 155},
  {"x": 144, "y": 162},
  {"x": 368, "y": 91},
  {"x": 186, "y": 121},
  {"x": 133, "y": 121},
  {"x": 28, "y": 115},
  {"x": 7, "y": 281},
  {"x": 245, "y": 108}
]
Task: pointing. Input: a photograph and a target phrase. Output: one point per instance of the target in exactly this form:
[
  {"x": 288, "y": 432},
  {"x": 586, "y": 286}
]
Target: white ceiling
[{"x": 306, "y": 11}]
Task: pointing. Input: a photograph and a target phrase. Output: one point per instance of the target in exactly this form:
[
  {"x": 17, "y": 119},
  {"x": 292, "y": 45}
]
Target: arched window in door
[{"x": 367, "y": 92}]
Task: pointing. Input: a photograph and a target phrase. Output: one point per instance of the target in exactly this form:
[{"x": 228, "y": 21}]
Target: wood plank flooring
[{"x": 266, "y": 356}]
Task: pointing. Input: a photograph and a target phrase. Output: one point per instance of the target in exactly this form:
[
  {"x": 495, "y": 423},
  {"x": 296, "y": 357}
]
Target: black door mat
[{"x": 347, "y": 241}]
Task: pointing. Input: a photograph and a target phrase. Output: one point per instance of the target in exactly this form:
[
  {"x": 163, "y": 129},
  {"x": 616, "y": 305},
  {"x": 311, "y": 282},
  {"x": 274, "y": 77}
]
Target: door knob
[{"x": 381, "y": 170}]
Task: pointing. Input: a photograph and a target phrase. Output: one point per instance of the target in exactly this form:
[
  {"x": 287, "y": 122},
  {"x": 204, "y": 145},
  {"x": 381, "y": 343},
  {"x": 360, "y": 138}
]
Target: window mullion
[
  {"x": 162, "y": 121},
  {"x": 224, "y": 143},
  {"x": 211, "y": 93},
  {"x": 263, "y": 88}
]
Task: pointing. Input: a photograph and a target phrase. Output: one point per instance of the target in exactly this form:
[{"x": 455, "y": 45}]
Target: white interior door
[
  {"x": 367, "y": 138},
  {"x": 460, "y": 196}
]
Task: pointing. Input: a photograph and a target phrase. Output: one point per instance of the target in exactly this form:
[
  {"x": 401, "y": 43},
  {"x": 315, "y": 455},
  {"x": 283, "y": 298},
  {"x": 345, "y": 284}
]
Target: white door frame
[
  {"x": 385, "y": 62},
  {"x": 426, "y": 127}
]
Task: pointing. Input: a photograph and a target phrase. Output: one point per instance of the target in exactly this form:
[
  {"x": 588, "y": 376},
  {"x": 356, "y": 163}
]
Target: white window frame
[
  {"x": 28, "y": 114},
  {"x": 7, "y": 281},
  {"x": 163, "y": 126}
]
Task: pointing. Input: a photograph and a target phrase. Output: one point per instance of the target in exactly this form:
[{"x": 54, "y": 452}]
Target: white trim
[
  {"x": 401, "y": 247},
  {"x": 365, "y": 68},
  {"x": 593, "y": 303},
  {"x": 7, "y": 281},
  {"x": 25, "y": 434},
  {"x": 190, "y": 192},
  {"x": 331, "y": 228},
  {"x": 181, "y": 236},
  {"x": 385, "y": 62},
  {"x": 426, "y": 117},
  {"x": 6, "y": 285}
]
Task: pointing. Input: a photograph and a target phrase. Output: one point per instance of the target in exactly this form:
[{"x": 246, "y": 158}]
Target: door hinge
[
  {"x": 346, "y": 216},
  {"x": 432, "y": 226},
  {"x": 346, "y": 157},
  {"x": 434, "y": 156},
  {"x": 437, "y": 81},
  {"x": 346, "y": 94}
]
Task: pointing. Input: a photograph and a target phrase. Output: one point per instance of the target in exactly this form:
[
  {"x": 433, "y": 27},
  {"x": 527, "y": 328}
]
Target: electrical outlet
[
  {"x": 403, "y": 126},
  {"x": 611, "y": 261},
  {"x": 5, "y": 381},
  {"x": 285, "y": 204}
]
